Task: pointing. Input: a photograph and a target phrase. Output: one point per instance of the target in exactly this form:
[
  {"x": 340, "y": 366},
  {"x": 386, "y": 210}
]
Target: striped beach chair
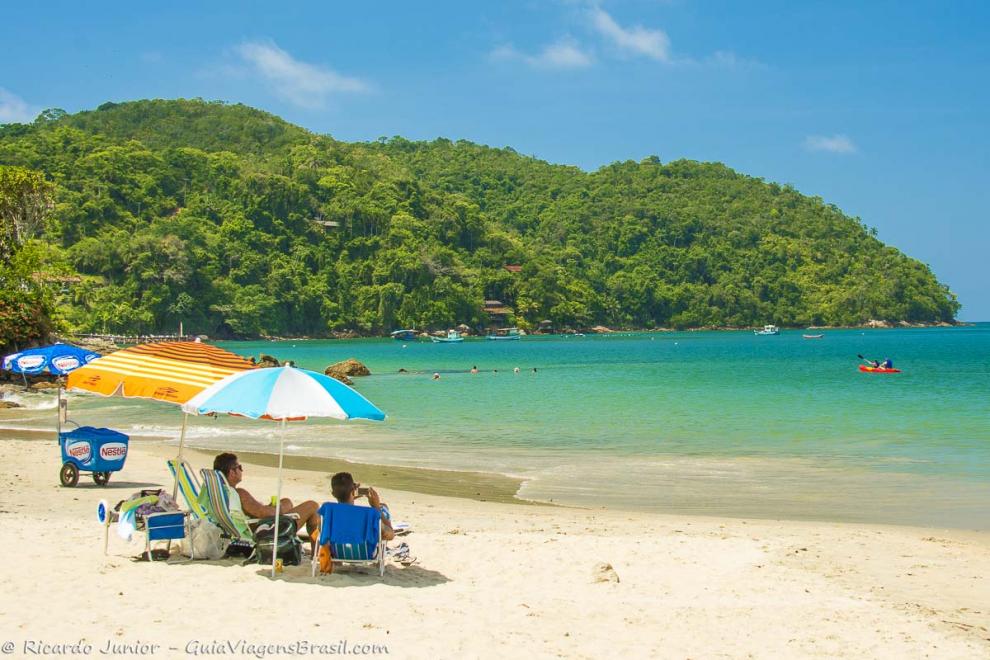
[
  {"x": 217, "y": 506},
  {"x": 353, "y": 535},
  {"x": 188, "y": 485}
]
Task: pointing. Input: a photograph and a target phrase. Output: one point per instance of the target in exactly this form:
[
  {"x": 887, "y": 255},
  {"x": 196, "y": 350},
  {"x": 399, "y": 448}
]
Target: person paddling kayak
[{"x": 885, "y": 366}]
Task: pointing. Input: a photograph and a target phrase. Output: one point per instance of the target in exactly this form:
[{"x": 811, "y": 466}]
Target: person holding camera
[{"x": 346, "y": 491}]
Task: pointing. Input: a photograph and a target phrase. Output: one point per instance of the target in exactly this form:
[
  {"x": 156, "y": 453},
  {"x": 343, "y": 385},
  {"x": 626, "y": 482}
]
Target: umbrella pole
[
  {"x": 178, "y": 458},
  {"x": 278, "y": 494},
  {"x": 58, "y": 414}
]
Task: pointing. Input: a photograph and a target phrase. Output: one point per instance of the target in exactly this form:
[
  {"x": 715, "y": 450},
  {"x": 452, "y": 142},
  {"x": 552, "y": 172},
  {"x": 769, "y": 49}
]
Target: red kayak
[{"x": 878, "y": 370}]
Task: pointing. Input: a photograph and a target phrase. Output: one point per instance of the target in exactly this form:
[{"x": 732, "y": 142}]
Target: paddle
[{"x": 869, "y": 362}]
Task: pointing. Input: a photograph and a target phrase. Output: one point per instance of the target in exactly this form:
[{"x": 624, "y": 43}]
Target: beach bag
[
  {"x": 205, "y": 540},
  {"x": 154, "y": 500},
  {"x": 289, "y": 548}
]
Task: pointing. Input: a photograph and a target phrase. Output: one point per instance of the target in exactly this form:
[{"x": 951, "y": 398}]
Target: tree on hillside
[
  {"x": 25, "y": 301},
  {"x": 25, "y": 200}
]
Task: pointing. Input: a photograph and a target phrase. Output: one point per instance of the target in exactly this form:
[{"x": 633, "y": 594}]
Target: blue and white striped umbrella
[{"x": 282, "y": 393}]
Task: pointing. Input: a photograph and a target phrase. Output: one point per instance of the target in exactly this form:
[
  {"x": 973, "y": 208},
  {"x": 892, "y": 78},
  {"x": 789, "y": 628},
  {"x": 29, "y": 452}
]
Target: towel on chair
[{"x": 350, "y": 530}]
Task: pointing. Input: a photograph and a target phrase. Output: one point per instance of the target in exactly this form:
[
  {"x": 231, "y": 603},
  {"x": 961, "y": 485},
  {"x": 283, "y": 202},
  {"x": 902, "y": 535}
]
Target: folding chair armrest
[
  {"x": 185, "y": 514},
  {"x": 294, "y": 516}
]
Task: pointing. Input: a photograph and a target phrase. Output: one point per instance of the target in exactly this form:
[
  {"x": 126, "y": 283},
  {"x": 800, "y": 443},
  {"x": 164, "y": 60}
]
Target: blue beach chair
[{"x": 353, "y": 535}]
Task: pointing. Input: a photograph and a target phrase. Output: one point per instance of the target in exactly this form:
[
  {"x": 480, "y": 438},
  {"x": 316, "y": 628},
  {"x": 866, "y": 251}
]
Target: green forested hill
[{"x": 234, "y": 221}]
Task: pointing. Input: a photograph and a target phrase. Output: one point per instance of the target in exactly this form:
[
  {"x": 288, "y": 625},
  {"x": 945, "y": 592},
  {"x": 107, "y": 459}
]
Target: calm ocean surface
[{"x": 720, "y": 423}]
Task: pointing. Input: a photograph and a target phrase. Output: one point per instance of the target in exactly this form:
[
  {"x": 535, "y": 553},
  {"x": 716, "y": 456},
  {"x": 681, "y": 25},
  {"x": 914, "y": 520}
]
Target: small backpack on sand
[{"x": 287, "y": 542}]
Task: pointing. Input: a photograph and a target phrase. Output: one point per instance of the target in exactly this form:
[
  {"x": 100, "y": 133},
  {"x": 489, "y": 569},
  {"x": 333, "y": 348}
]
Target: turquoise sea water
[{"x": 721, "y": 423}]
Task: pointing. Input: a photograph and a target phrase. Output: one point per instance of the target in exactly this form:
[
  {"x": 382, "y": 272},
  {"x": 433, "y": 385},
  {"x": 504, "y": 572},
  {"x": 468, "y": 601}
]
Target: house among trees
[{"x": 498, "y": 313}]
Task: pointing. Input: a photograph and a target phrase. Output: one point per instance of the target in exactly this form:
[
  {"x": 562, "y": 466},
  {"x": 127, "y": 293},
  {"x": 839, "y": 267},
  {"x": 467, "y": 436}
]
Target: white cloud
[
  {"x": 638, "y": 40},
  {"x": 306, "y": 85},
  {"x": 14, "y": 110},
  {"x": 562, "y": 54},
  {"x": 835, "y": 144}
]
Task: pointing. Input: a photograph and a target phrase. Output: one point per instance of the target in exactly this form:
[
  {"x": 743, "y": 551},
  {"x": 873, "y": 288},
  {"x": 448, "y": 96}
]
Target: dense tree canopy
[
  {"x": 236, "y": 222},
  {"x": 25, "y": 284}
]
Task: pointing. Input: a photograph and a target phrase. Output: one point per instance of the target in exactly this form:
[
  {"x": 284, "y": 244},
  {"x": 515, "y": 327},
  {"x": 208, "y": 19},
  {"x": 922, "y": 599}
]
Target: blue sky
[{"x": 879, "y": 107}]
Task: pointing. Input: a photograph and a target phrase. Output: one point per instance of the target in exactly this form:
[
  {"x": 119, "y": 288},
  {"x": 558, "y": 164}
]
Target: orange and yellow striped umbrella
[{"x": 169, "y": 371}]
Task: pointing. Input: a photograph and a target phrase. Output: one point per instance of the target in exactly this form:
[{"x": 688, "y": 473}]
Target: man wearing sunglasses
[{"x": 245, "y": 506}]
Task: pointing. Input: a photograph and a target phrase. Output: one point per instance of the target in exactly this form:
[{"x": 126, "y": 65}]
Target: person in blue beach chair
[
  {"x": 346, "y": 491},
  {"x": 354, "y": 533}
]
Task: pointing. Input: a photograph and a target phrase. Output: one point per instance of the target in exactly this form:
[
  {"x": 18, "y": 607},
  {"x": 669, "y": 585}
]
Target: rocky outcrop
[
  {"x": 464, "y": 330},
  {"x": 9, "y": 404},
  {"x": 265, "y": 361},
  {"x": 342, "y": 371},
  {"x": 44, "y": 385},
  {"x": 339, "y": 376},
  {"x": 873, "y": 323},
  {"x": 601, "y": 329}
]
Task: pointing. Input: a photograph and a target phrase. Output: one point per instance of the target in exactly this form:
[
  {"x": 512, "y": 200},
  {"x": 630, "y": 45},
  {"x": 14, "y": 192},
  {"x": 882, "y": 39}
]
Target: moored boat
[
  {"x": 505, "y": 334},
  {"x": 767, "y": 330},
  {"x": 453, "y": 337},
  {"x": 812, "y": 336},
  {"x": 404, "y": 335}
]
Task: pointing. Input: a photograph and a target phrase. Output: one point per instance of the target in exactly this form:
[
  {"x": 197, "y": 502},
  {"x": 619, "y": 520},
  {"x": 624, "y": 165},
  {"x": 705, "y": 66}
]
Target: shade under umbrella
[{"x": 282, "y": 394}]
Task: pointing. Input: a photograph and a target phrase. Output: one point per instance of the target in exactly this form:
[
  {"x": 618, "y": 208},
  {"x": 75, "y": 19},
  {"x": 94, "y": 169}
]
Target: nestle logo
[
  {"x": 113, "y": 451},
  {"x": 78, "y": 450}
]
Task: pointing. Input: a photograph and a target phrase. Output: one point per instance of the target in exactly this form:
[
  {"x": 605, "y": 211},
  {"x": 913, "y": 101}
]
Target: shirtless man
[{"x": 245, "y": 506}]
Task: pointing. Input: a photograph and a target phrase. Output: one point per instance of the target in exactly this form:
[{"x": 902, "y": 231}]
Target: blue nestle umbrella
[
  {"x": 57, "y": 359},
  {"x": 282, "y": 394}
]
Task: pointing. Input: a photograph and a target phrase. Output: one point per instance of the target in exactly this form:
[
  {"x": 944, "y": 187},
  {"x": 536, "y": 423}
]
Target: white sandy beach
[{"x": 492, "y": 580}]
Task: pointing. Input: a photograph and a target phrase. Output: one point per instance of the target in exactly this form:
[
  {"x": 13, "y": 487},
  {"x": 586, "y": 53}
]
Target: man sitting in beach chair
[
  {"x": 352, "y": 534},
  {"x": 242, "y": 505}
]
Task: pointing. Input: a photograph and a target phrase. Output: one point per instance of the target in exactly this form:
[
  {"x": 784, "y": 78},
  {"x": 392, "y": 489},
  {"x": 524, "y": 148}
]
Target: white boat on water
[
  {"x": 767, "y": 330},
  {"x": 453, "y": 337},
  {"x": 504, "y": 334}
]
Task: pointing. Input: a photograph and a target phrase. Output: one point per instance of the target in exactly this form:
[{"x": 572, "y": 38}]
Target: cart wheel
[
  {"x": 101, "y": 478},
  {"x": 69, "y": 474}
]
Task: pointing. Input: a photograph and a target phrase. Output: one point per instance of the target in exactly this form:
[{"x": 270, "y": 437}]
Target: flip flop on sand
[{"x": 400, "y": 554}]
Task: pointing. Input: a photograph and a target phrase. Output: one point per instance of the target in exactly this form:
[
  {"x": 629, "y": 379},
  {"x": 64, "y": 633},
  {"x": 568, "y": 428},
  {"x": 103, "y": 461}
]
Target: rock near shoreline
[{"x": 342, "y": 371}]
